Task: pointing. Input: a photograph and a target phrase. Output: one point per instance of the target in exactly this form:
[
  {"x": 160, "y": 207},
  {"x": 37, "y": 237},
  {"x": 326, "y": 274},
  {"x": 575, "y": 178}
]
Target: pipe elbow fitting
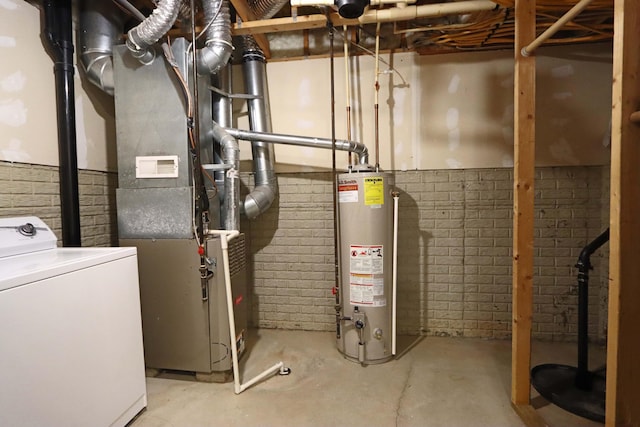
[
  {"x": 99, "y": 69},
  {"x": 258, "y": 201},
  {"x": 214, "y": 56}
]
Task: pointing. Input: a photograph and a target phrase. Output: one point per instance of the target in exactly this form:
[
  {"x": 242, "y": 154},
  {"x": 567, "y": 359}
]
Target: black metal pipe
[
  {"x": 58, "y": 32},
  {"x": 583, "y": 377}
]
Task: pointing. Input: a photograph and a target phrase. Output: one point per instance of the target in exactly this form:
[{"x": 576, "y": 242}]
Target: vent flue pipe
[
  {"x": 304, "y": 141},
  {"x": 255, "y": 77}
]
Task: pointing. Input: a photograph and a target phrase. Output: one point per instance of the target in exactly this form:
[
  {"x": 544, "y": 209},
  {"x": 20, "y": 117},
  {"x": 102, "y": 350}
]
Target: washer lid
[{"x": 20, "y": 235}]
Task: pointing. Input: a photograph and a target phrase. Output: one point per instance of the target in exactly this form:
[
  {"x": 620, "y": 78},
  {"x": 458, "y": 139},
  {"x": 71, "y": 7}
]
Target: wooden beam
[
  {"x": 529, "y": 416},
  {"x": 623, "y": 343},
  {"x": 246, "y": 14},
  {"x": 523, "y": 200},
  {"x": 273, "y": 25}
]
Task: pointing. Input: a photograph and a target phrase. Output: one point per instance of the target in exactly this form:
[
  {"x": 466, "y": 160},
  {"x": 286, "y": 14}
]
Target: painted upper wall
[
  {"x": 446, "y": 111},
  {"x": 28, "y": 128},
  {"x": 435, "y": 112}
]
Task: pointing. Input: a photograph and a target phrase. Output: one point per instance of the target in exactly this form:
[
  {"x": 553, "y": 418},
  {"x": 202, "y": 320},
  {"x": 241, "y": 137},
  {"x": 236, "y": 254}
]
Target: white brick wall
[
  {"x": 34, "y": 190},
  {"x": 454, "y": 248},
  {"x": 454, "y": 252}
]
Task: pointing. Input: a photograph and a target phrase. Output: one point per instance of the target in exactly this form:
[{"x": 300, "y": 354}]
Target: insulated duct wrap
[{"x": 218, "y": 46}]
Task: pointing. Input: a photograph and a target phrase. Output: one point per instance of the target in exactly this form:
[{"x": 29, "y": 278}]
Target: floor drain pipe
[
  {"x": 58, "y": 30},
  {"x": 225, "y": 237}
]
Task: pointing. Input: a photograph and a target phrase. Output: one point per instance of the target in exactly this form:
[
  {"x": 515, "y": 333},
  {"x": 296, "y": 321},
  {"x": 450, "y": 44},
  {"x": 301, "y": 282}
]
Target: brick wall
[
  {"x": 454, "y": 245},
  {"x": 33, "y": 190},
  {"x": 454, "y": 252}
]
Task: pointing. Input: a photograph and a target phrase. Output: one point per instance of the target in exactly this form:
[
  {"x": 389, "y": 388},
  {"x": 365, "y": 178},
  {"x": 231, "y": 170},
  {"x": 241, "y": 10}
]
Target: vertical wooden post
[
  {"x": 623, "y": 346},
  {"x": 523, "y": 196}
]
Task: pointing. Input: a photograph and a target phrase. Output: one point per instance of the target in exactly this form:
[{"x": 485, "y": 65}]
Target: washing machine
[{"x": 71, "y": 349}]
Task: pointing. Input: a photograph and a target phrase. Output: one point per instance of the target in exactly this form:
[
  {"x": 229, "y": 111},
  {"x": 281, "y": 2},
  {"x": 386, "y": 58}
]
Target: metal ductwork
[
  {"x": 231, "y": 158},
  {"x": 100, "y": 27},
  {"x": 149, "y": 31},
  {"x": 218, "y": 46},
  {"x": 255, "y": 77}
]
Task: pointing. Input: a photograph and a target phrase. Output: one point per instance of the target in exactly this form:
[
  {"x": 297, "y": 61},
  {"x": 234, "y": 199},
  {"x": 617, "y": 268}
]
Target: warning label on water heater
[
  {"x": 366, "y": 275},
  {"x": 347, "y": 191},
  {"x": 374, "y": 191}
]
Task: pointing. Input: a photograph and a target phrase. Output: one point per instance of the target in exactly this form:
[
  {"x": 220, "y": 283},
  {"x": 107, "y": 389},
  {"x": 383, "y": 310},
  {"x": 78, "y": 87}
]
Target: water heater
[{"x": 365, "y": 295}]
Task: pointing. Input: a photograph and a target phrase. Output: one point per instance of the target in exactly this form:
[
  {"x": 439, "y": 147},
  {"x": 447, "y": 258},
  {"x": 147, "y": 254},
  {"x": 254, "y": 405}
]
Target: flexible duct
[
  {"x": 100, "y": 28},
  {"x": 149, "y": 31},
  {"x": 265, "y": 9},
  {"x": 218, "y": 46},
  {"x": 255, "y": 76}
]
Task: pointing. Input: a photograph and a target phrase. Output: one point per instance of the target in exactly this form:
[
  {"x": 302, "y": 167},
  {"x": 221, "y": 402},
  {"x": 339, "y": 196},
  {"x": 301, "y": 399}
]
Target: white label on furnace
[{"x": 366, "y": 279}]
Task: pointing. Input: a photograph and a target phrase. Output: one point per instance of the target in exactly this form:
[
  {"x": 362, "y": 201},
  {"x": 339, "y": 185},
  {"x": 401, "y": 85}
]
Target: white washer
[{"x": 70, "y": 332}]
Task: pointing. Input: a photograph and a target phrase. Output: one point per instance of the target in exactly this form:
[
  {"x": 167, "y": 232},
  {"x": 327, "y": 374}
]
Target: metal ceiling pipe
[
  {"x": 99, "y": 28},
  {"x": 218, "y": 46},
  {"x": 149, "y": 31},
  {"x": 255, "y": 77},
  {"x": 304, "y": 141},
  {"x": 59, "y": 35}
]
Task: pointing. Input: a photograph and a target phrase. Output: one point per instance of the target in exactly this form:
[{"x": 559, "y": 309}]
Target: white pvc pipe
[
  {"x": 394, "y": 285},
  {"x": 549, "y": 32},
  {"x": 410, "y": 12},
  {"x": 425, "y": 10},
  {"x": 225, "y": 237},
  {"x": 298, "y": 3}
]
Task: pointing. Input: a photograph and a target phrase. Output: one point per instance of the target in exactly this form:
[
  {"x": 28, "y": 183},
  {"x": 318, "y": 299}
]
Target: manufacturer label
[
  {"x": 347, "y": 191},
  {"x": 366, "y": 278}
]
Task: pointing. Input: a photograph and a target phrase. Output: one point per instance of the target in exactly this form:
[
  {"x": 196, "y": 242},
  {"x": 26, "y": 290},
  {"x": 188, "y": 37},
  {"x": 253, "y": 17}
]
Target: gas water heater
[{"x": 365, "y": 309}]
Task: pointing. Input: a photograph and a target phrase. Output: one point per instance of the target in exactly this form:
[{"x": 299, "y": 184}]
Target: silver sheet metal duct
[
  {"x": 218, "y": 46},
  {"x": 149, "y": 31},
  {"x": 304, "y": 141},
  {"x": 227, "y": 179},
  {"x": 255, "y": 78},
  {"x": 231, "y": 157},
  {"x": 255, "y": 74},
  {"x": 100, "y": 27}
]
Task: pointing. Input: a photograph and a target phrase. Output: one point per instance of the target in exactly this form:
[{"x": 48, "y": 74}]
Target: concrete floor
[{"x": 434, "y": 382}]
